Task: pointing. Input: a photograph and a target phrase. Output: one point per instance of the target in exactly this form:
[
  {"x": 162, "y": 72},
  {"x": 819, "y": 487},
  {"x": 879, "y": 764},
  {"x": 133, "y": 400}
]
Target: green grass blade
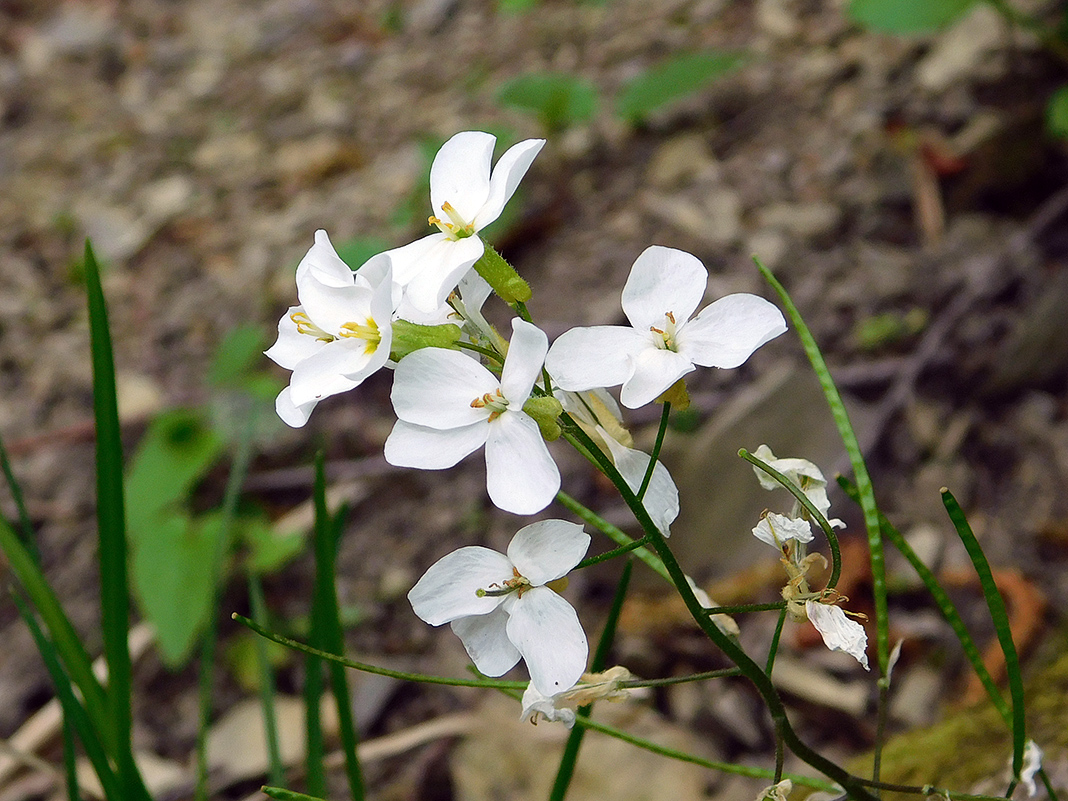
[
  {"x": 326, "y": 628},
  {"x": 28, "y": 538},
  {"x": 945, "y": 606},
  {"x": 313, "y": 666},
  {"x": 275, "y": 767},
  {"x": 111, "y": 526},
  {"x": 288, "y": 795},
  {"x": 74, "y": 714},
  {"x": 78, "y": 664},
  {"x": 566, "y": 771},
  {"x": 996, "y": 605}
]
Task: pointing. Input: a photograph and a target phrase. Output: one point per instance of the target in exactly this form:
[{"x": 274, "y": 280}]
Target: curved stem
[{"x": 656, "y": 451}]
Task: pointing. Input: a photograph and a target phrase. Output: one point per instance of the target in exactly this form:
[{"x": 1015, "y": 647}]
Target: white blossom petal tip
[{"x": 839, "y": 632}]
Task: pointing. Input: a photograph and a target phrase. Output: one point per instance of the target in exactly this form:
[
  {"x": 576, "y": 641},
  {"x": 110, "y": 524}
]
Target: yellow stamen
[{"x": 306, "y": 326}]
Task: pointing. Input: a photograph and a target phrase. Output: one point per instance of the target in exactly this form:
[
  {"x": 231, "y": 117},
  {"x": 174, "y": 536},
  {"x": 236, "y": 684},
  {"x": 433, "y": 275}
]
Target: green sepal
[
  {"x": 410, "y": 337},
  {"x": 502, "y": 276},
  {"x": 546, "y": 413}
]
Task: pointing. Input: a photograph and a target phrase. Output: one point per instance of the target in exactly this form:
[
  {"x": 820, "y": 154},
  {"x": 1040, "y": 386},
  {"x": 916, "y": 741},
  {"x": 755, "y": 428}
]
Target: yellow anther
[{"x": 306, "y": 326}]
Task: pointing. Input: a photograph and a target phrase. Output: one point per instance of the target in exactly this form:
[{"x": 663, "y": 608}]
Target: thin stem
[
  {"x": 604, "y": 557},
  {"x": 378, "y": 671},
  {"x": 708, "y": 674},
  {"x": 774, "y": 649},
  {"x": 28, "y": 538},
  {"x": 656, "y": 450},
  {"x": 489, "y": 353},
  {"x": 742, "y": 608},
  {"x": 275, "y": 769}
]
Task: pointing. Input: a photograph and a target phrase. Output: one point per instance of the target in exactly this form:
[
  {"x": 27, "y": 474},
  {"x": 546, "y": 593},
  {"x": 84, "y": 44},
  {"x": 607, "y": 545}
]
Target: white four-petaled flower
[
  {"x": 339, "y": 334},
  {"x": 448, "y": 405},
  {"x": 501, "y": 609},
  {"x": 466, "y": 196},
  {"x": 662, "y": 343},
  {"x": 838, "y": 631}
]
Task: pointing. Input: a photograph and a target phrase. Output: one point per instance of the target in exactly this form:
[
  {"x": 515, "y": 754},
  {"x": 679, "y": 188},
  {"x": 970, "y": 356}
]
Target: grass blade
[
  {"x": 945, "y": 606},
  {"x": 996, "y": 605},
  {"x": 275, "y": 768},
  {"x": 28, "y": 538},
  {"x": 313, "y": 665},
  {"x": 111, "y": 527},
  {"x": 288, "y": 795},
  {"x": 74, "y": 714},
  {"x": 326, "y": 629},
  {"x": 566, "y": 770}
]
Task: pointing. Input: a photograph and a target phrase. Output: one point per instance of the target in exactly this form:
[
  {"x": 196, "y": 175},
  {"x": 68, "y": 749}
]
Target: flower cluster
[{"x": 459, "y": 386}]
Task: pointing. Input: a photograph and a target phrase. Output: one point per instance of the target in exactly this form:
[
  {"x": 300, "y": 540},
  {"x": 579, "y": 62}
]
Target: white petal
[
  {"x": 375, "y": 270},
  {"x": 547, "y": 550},
  {"x": 291, "y": 347},
  {"x": 521, "y": 476},
  {"x": 410, "y": 445},
  {"x": 460, "y": 174},
  {"x": 522, "y": 365},
  {"x": 507, "y": 173},
  {"x": 292, "y": 415},
  {"x": 655, "y": 370},
  {"x": 474, "y": 290},
  {"x": 434, "y": 387},
  {"x": 776, "y": 529},
  {"x": 331, "y": 307},
  {"x": 448, "y": 589},
  {"x": 1032, "y": 764},
  {"x": 535, "y": 704},
  {"x": 443, "y": 268},
  {"x": 409, "y": 260},
  {"x": 322, "y": 262},
  {"x": 661, "y": 499},
  {"x": 327, "y": 371},
  {"x": 663, "y": 280},
  {"x": 727, "y": 332},
  {"x": 547, "y": 632},
  {"x": 838, "y": 631},
  {"x": 486, "y": 639},
  {"x": 597, "y": 357}
]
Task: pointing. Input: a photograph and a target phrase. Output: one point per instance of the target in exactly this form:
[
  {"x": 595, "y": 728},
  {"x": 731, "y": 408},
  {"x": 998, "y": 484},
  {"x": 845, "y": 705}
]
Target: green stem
[
  {"x": 727, "y": 644},
  {"x": 604, "y": 557},
  {"x": 774, "y": 649},
  {"x": 258, "y": 605},
  {"x": 743, "y": 608},
  {"x": 656, "y": 450},
  {"x": 708, "y": 674}
]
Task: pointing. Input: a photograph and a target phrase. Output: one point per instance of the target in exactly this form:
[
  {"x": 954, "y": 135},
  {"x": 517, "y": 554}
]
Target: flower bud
[
  {"x": 410, "y": 337},
  {"x": 502, "y": 276},
  {"x": 546, "y": 412}
]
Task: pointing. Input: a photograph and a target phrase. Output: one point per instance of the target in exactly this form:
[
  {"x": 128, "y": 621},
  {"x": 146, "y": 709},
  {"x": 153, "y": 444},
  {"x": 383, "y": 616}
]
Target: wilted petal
[
  {"x": 460, "y": 174},
  {"x": 536, "y": 705},
  {"x": 838, "y": 631},
  {"x": 1032, "y": 764},
  {"x": 521, "y": 476},
  {"x": 292, "y": 415},
  {"x": 486, "y": 640},
  {"x": 663, "y": 280},
  {"x": 776, "y": 529},
  {"x": 727, "y": 332},
  {"x": 655, "y": 370},
  {"x": 547, "y": 550},
  {"x": 507, "y": 173},
  {"x": 597, "y": 357},
  {"x": 447, "y": 590},
  {"x": 434, "y": 387},
  {"x": 409, "y": 445},
  {"x": 522, "y": 365},
  {"x": 661, "y": 499},
  {"x": 547, "y": 632},
  {"x": 322, "y": 262}
]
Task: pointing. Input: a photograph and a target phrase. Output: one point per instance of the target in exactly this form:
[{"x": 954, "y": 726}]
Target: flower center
[
  {"x": 664, "y": 337},
  {"x": 368, "y": 332},
  {"x": 457, "y": 227},
  {"x": 496, "y": 403},
  {"x": 516, "y": 584}
]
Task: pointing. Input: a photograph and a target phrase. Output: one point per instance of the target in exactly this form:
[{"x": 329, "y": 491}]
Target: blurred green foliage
[
  {"x": 559, "y": 100},
  {"x": 672, "y": 79},
  {"x": 907, "y": 16}
]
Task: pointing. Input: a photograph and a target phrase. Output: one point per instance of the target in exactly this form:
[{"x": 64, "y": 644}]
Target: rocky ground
[{"x": 903, "y": 190}]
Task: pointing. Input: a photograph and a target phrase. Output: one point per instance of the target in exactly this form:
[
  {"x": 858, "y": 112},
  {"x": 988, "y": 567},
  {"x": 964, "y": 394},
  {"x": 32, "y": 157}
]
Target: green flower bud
[
  {"x": 545, "y": 411},
  {"x": 502, "y": 276},
  {"x": 410, "y": 337}
]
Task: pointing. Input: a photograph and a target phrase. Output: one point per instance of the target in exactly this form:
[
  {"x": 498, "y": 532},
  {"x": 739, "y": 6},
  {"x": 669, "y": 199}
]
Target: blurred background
[{"x": 906, "y": 182}]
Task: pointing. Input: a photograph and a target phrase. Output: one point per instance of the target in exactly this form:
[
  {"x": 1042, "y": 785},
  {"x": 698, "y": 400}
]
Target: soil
[{"x": 902, "y": 188}]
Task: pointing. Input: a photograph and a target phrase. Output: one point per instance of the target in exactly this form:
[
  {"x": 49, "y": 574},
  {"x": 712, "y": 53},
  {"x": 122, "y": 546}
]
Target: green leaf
[
  {"x": 174, "y": 583},
  {"x": 176, "y": 451},
  {"x": 515, "y": 6},
  {"x": 1057, "y": 113},
  {"x": 268, "y": 551},
  {"x": 676, "y": 77},
  {"x": 238, "y": 355},
  {"x": 907, "y": 16},
  {"x": 558, "y": 99}
]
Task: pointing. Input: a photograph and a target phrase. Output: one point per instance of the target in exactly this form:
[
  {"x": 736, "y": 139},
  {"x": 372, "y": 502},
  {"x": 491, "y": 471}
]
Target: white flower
[
  {"x": 838, "y": 631},
  {"x": 776, "y": 529},
  {"x": 664, "y": 344},
  {"x": 466, "y": 197},
  {"x": 536, "y": 705},
  {"x": 661, "y": 499},
  {"x": 804, "y": 475},
  {"x": 449, "y": 405},
  {"x": 338, "y": 335},
  {"x": 501, "y": 609},
  {"x": 1032, "y": 764}
]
